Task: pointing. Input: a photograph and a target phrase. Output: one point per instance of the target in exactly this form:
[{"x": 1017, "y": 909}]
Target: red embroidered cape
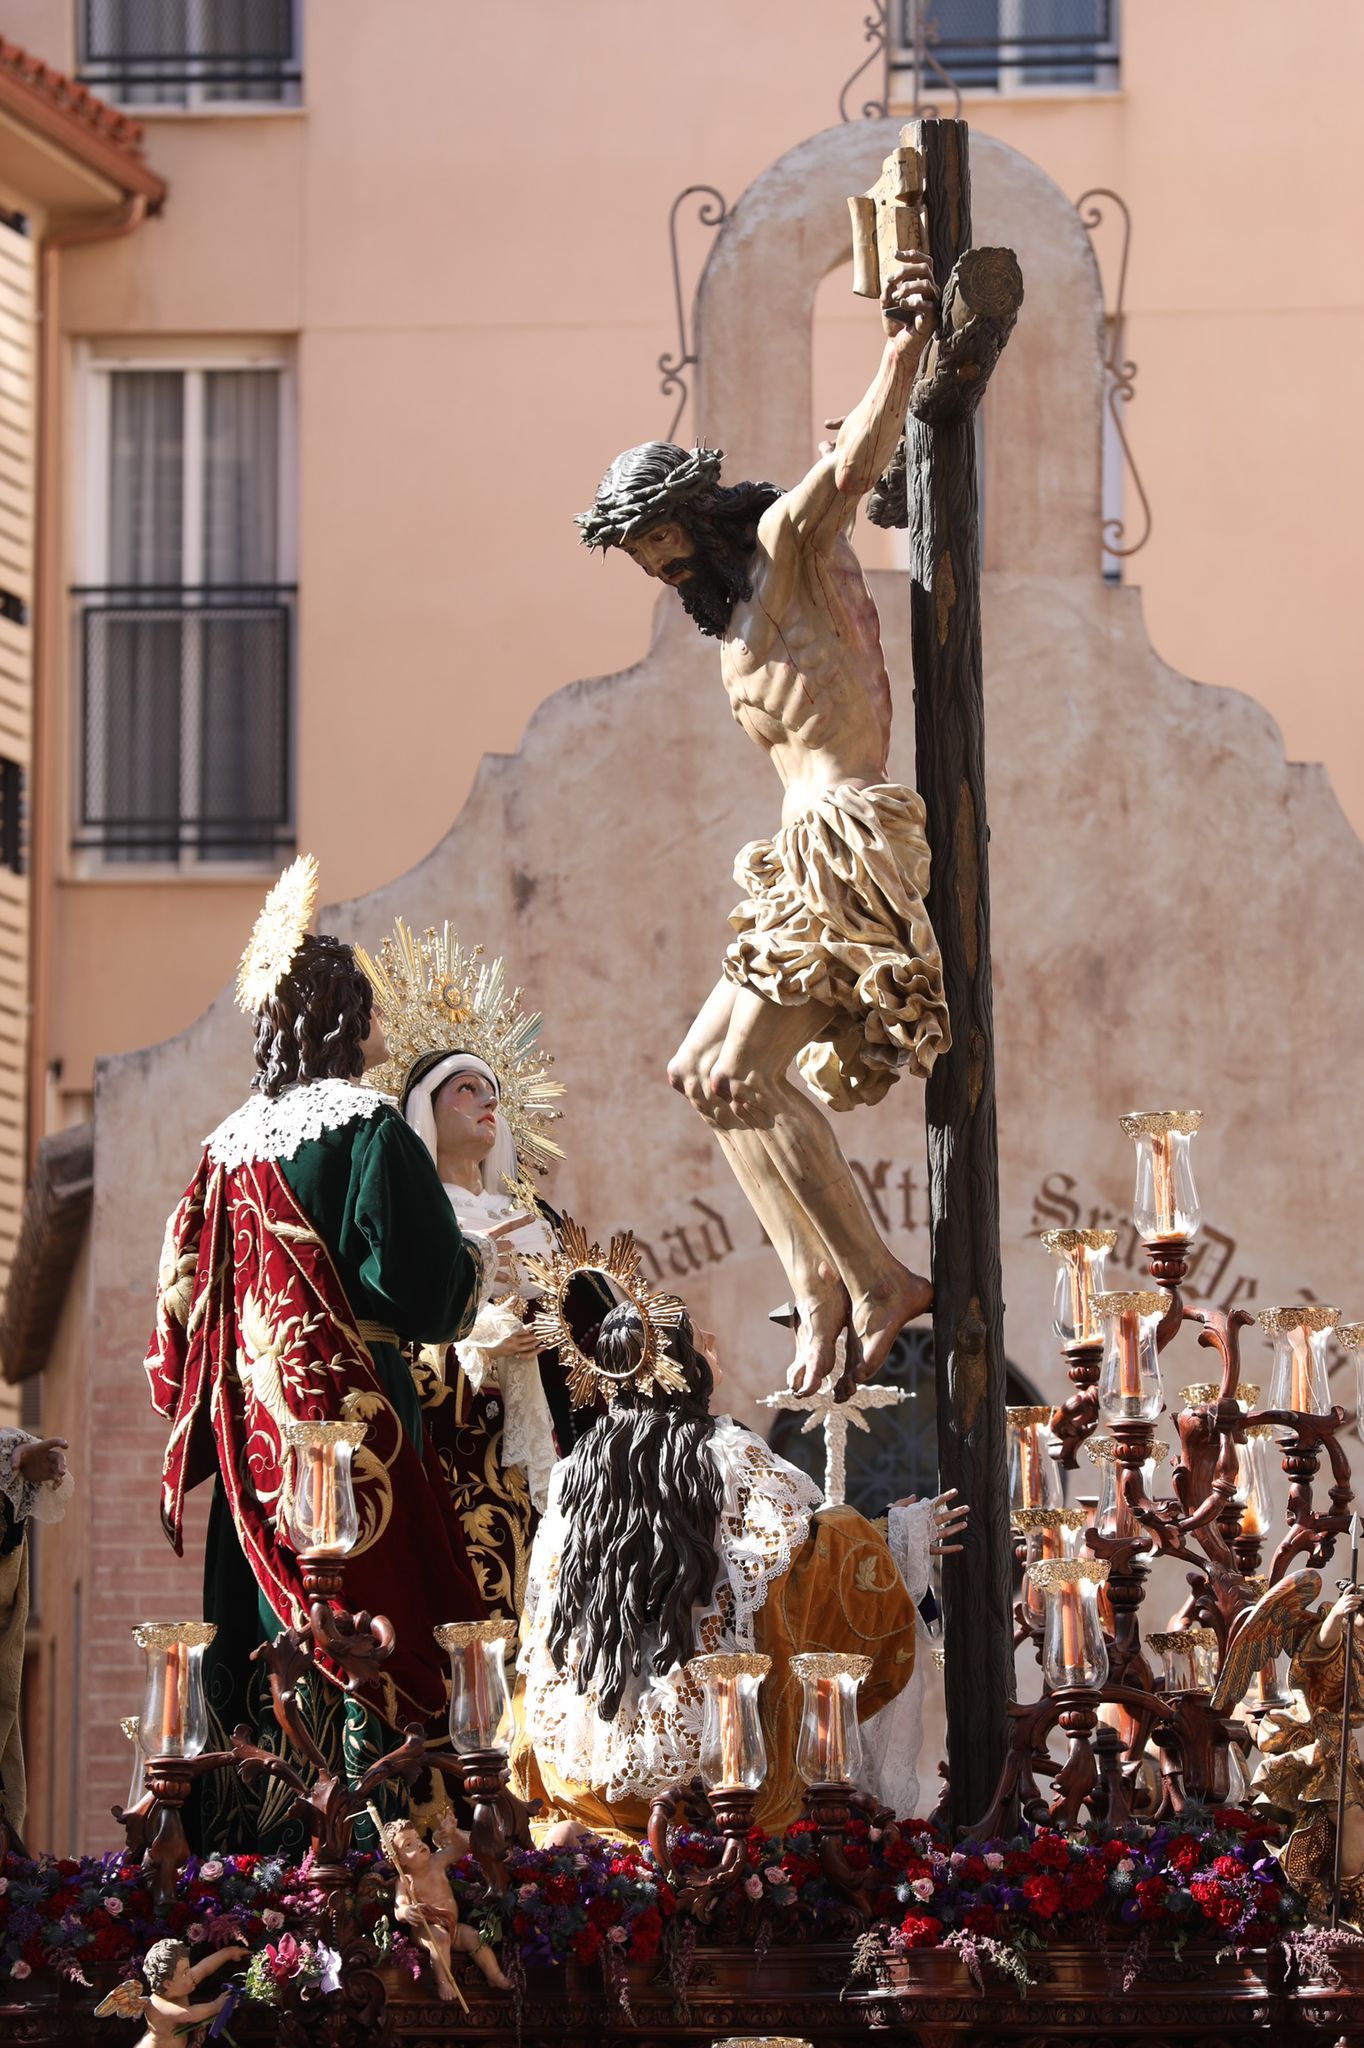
[{"x": 253, "y": 1330}]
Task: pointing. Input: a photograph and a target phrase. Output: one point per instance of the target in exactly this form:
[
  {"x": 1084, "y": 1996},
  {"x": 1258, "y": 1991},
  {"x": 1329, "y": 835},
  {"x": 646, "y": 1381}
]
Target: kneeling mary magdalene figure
[
  {"x": 314, "y": 1240},
  {"x": 672, "y": 1532},
  {"x": 473, "y": 1081}
]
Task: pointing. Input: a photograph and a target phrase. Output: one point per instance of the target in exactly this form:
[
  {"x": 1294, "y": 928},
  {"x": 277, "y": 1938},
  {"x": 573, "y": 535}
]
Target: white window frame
[
  {"x": 95, "y": 363},
  {"x": 1013, "y": 81},
  {"x": 197, "y": 100}
]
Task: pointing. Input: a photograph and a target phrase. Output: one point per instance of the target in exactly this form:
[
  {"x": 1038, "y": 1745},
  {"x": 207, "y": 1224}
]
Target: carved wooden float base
[{"x": 917, "y": 2001}]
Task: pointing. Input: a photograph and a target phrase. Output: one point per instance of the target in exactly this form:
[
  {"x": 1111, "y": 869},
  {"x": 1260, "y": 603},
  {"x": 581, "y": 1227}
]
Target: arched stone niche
[
  {"x": 1174, "y": 905},
  {"x": 754, "y": 316}
]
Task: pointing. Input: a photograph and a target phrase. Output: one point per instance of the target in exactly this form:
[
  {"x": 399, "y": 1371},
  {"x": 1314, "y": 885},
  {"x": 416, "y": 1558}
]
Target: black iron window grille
[
  {"x": 12, "y": 819},
  {"x": 1000, "y": 45},
  {"x": 191, "y": 52},
  {"x": 186, "y": 722}
]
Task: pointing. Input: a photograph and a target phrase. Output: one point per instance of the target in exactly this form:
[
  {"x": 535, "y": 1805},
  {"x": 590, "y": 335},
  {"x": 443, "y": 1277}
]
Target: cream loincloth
[{"x": 835, "y": 914}]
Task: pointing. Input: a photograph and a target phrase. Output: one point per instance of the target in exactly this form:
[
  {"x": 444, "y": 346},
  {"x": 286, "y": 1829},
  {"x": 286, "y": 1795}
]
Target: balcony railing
[
  {"x": 189, "y": 52},
  {"x": 999, "y": 45},
  {"x": 186, "y": 723}
]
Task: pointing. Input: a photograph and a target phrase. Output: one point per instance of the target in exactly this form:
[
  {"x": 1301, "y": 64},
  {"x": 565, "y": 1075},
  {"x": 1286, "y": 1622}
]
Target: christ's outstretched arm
[{"x": 822, "y": 505}]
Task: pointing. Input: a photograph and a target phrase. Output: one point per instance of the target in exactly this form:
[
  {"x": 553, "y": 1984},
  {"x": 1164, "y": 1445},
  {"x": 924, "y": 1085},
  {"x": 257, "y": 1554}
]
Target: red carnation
[
  {"x": 1151, "y": 1895},
  {"x": 920, "y": 1930},
  {"x": 1016, "y": 1863},
  {"x": 646, "y": 1934},
  {"x": 603, "y": 1913},
  {"x": 1043, "y": 1895},
  {"x": 1050, "y": 1852},
  {"x": 1183, "y": 1854},
  {"x": 561, "y": 1891},
  {"x": 1228, "y": 1866},
  {"x": 981, "y": 1920},
  {"x": 1082, "y": 1890},
  {"x": 587, "y": 1945}
]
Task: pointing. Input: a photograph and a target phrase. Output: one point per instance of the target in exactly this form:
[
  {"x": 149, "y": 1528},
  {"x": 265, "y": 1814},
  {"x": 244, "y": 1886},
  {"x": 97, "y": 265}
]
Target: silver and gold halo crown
[
  {"x": 277, "y": 934},
  {"x": 658, "y": 1312},
  {"x": 433, "y": 995}
]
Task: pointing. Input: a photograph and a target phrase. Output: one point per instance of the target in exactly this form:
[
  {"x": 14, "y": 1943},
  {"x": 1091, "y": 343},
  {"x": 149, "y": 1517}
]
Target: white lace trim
[
  {"x": 892, "y": 1738},
  {"x": 274, "y": 1128},
  {"x": 655, "y": 1739},
  {"x": 527, "y": 1425},
  {"x": 45, "y": 1502}
]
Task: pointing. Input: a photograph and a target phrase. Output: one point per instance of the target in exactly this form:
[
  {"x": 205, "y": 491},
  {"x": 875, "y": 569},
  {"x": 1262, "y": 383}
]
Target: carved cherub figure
[
  {"x": 171, "y": 1978},
  {"x": 1301, "y": 1744},
  {"x": 424, "y": 1903}
]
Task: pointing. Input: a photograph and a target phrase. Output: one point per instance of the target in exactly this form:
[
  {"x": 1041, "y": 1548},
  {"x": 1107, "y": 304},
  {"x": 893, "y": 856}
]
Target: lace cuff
[
  {"x": 485, "y": 1251},
  {"x": 42, "y": 1503},
  {"x": 492, "y": 1326},
  {"x": 908, "y": 1534}
]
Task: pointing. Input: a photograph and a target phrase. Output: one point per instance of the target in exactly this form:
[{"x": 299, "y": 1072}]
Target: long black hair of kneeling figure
[
  {"x": 315, "y": 1024},
  {"x": 642, "y": 1502}
]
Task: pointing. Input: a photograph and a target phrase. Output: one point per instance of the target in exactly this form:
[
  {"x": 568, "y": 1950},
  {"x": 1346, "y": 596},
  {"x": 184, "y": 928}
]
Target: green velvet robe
[{"x": 371, "y": 1191}]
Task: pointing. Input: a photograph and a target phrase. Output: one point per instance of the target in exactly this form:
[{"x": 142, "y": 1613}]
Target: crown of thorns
[{"x": 624, "y": 509}]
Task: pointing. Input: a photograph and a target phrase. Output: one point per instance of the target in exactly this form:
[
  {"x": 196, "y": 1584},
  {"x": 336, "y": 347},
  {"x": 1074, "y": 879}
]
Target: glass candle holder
[
  {"x": 733, "y": 1753},
  {"x": 174, "y": 1718},
  {"x": 323, "y": 1518},
  {"x": 131, "y": 1725},
  {"x": 1238, "y": 1781},
  {"x": 1034, "y": 1476},
  {"x": 1046, "y": 1533},
  {"x": 1165, "y": 1204},
  {"x": 1082, "y": 1256},
  {"x": 829, "y": 1747},
  {"x": 1300, "y": 1333},
  {"x": 1112, "y": 1516},
  {"x": 1252, "y": 1479},
  {"x": 1351, "y": 1335},
  {"x": 1073, "y": 1648},
  {"x": 1189, "y": 1657},
  {"x": 1129, "y": 1380},
  {"x": 480, "y": 1703}
]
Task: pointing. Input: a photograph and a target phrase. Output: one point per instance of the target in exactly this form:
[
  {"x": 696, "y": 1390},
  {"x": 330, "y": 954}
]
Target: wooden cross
[{"x": 924, "y": 191}]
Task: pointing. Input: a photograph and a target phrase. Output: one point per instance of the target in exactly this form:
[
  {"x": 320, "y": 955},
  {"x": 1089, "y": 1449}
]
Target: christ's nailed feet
[
  {"x": 821, "y": 1318},
  {"x": 879, "y": 1315}
]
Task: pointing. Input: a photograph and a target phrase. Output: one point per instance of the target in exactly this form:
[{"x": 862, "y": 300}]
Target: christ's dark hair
[
  {"x": 642, "y": 1502},
  {"x": 314, "y": 1026}
]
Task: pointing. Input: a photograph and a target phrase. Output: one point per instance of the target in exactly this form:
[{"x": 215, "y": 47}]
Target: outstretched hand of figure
[
  {"x": 506, "y": 1274},
  {"x": 520, "y": 1343},
  {"x": 947, "y": 1518},
  {"x": 43, "y": 1464},
  {"x": 909, "y": 298},
  {"x": 1348, "y": 1606}
]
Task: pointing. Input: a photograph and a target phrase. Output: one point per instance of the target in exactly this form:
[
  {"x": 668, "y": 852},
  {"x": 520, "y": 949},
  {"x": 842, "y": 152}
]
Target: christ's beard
[{"x": 712, "y": 590}]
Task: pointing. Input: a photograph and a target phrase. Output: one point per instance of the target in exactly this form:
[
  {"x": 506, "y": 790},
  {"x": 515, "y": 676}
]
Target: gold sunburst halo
[
  {"x": 277, "y": 934},
  {"x": 659, "y": 1312},
  {"x": 435, "y": 995}
]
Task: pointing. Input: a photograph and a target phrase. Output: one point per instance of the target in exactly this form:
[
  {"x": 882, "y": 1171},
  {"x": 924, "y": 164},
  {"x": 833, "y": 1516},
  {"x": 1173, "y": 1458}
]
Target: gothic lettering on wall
[
  {"x": 1216, "y": 1273},
  {"x": 709, "y": 1232}
]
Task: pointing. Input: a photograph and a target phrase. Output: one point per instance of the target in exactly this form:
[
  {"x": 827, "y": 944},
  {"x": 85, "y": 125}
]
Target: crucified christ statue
[{"x": 834, "y": 964}]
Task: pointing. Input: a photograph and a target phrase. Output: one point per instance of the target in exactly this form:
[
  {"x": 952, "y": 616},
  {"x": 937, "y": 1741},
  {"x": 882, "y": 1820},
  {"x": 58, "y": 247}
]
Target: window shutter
[{"x": 18, "y": 420}]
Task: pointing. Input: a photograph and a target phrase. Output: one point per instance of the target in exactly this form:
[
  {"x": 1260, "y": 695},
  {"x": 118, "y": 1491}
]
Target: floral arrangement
[
  {"x": 69, "y": 1916},
  {"x": 1207, "y": 1875}
]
